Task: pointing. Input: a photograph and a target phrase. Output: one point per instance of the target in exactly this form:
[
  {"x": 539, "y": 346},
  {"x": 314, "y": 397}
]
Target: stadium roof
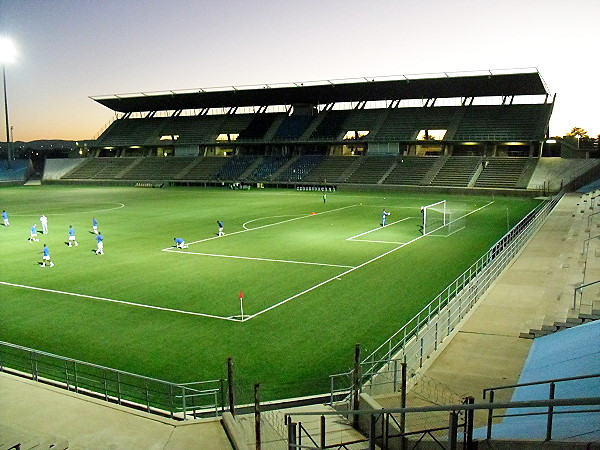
[{"x": 482, "y": 84}]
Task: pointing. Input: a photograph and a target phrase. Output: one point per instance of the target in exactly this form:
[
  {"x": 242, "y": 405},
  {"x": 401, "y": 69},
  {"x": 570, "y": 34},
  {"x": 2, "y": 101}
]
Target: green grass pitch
[{"x": 316, "y": 277}]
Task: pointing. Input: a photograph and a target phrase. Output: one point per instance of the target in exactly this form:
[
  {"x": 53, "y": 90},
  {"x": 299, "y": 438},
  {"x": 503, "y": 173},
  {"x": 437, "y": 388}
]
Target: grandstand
[{"x": 348, "y": 131}]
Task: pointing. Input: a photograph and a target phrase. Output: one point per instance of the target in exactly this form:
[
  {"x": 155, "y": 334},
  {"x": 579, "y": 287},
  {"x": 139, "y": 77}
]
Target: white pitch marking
[
  {"x": 378, "y": 228},
  {"x": 337, "y": 277},
  {"x": 121, "y": 205},
  {"x": 263, "y": 218},
  {"x": 264, "y": 226},
  {"x": 376, "y": 242},
  {"x": 139, "y": 305},
  {"x": 260, "y": 259}
]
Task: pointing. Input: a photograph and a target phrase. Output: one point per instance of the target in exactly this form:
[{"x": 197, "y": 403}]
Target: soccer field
[{"x": 316, "y": 277}]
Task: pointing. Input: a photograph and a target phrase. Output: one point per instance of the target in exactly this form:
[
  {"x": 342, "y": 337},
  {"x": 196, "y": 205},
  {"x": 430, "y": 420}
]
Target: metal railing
[
  {"x": 490, "y": 392},
  {"x": 422, "y": 335},
  {"x": 177, "y": 401},
  {"x": 388, "y": 435}
]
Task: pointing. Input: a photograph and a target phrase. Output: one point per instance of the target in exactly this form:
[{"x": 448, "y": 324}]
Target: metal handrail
[
  {"x": 453, "y": 426},
  {"x": 580, "y": 401},
  {"x": 579, "y": 289},
  {"x": 533, "y": 383}
]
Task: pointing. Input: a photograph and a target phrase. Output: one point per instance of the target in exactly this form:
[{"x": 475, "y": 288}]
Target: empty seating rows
[
  {"x": 300, "y": 168},
  {"x": 463, "y": 123},
  {"x": 17, "y": 171},
  {"x": 157, "y": 168},
  {"x": 411, "y": 170},
  {"x": 235, "y": 167},
  {"x": 403, "y": 124},
  {"x": 205, "y": 168},
  {"x": 371, "y": 170},
  {"x": 189, "y": 129},
  {"x": 331, "y": 125},
  {"x": 92, "y": 166},
  {"x": 503, "y": 122},
  {"x": 457, "y": 171},
  {"x": 130, "y": 132},
  {"x": 292, "y": 127},
  {"x": 331, "y": 169},
  {"x": 258, "y": 127},
  {"x": 267, "y": 167},
  {"x": 501, "y": 172}
]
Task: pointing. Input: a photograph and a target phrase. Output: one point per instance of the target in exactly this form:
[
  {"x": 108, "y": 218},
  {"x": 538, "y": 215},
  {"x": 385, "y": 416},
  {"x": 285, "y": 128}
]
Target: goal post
[{"x": 434, "y": 216}]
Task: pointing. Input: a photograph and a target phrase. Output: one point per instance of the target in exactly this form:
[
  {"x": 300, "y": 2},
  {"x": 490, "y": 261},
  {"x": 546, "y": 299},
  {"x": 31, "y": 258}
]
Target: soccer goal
[
  {"x": 439, "y": 219},
  {"x": 434, "y": 216}
]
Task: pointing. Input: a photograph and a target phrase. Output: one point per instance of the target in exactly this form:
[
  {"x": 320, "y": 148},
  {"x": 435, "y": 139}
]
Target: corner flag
[{"x": 242, "y": 304}]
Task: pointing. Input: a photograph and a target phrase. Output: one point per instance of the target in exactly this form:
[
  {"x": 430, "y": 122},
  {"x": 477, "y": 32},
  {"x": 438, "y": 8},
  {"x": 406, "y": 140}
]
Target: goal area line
[{"x": 353, "y": 238}]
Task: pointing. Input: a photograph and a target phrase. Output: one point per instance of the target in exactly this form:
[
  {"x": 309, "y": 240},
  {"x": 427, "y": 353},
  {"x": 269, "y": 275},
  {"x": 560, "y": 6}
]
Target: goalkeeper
[{"x": 384, "y": 215}]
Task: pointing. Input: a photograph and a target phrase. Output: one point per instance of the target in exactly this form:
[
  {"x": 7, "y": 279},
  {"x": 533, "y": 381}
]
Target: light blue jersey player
[
  {"x": 384, "y": 215},
  {"x": 95, "y": 225},
  {"x": 5, "y": 218},
  {"x": 180, "y": 243},
  {"x": 72, "y": 239},
  {"x": 100, "y": 243},
  {"x": 46, "y": 257},
  {"x": 33, "y": 234}
]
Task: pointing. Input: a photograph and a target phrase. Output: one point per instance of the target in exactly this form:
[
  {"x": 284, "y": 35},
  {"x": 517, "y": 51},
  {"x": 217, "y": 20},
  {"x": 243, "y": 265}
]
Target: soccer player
[
  {"x": 384, "y": 215},
  {"x": 33, "y": 234},
  {"x": 95, "y": 225},
  {"x": 180, "y": 243},
  {"x": 44, "y": 222},
  {"x": 100, "y": 242},
  {"x": 46, "y": 256},
  {"x": 324, "y": 197},
  {"x": 72, "y": 239},
  {"x": 5, "y": 218},
  {"x": 220, "y": 224}
]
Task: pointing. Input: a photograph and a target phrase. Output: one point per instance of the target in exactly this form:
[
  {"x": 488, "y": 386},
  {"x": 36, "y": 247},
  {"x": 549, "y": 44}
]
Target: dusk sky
[{"x": 69, "y": 50}]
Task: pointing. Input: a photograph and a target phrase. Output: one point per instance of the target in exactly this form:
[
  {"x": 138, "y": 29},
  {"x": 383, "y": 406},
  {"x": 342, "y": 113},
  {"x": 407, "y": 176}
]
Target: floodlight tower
[{"x": 7, "y": 54}]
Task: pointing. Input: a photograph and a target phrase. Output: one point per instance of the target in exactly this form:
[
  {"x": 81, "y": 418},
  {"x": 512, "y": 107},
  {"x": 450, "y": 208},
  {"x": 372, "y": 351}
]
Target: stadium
[{"x": 339, "y": 236}]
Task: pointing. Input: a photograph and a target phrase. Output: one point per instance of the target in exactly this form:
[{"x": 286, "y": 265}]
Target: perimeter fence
[
  {"x": 177, "y": 401},
  {"x": 420, "y": 337}
]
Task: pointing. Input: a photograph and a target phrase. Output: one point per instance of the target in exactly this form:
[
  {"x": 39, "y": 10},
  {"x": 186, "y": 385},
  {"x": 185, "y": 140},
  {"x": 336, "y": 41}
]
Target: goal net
[
  {"x": 434, "y": 216},
  {"x": 440, "y": 219}
]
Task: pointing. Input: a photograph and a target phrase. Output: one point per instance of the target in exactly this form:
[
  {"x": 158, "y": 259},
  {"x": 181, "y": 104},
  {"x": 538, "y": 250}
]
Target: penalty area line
[
  {"x": 267, "y": 225},
  {"x": 260, "y": 259},
  {"x": 104, "y": 299},
  {"x": 336, "y": 277}
]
